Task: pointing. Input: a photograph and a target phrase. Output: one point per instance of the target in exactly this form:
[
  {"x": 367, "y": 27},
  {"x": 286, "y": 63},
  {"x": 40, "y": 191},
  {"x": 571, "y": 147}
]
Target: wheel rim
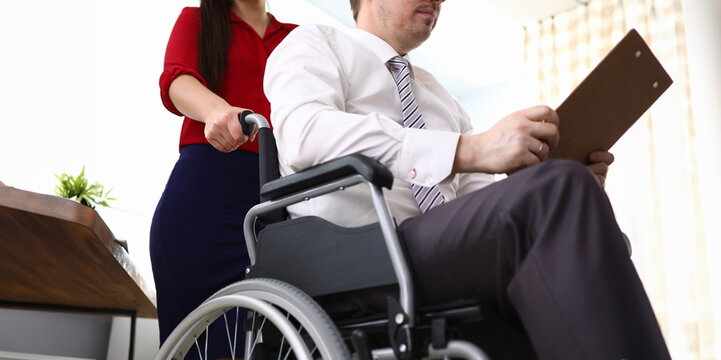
[
  {"x": 302, "y": 320},
  {"x": 192, "y": 342}
]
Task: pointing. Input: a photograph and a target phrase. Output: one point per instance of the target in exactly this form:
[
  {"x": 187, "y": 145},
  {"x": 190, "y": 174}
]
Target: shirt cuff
[
  {"x": 427, "y": 156},
  {"x": 167, "y": 77}
]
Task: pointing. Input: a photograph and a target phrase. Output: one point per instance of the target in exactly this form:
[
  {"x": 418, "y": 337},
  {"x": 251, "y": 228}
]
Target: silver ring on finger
[{"x": 540, "y": 148}]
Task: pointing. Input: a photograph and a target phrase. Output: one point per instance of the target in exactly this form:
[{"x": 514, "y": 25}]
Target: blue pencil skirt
[{"x": 196, "y": 236}]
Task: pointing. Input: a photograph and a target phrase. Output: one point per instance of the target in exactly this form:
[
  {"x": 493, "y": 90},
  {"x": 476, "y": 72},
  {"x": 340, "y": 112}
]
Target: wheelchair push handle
[
  {"x": 249, "y": 120},
  {"x": 267, "y": 149}
]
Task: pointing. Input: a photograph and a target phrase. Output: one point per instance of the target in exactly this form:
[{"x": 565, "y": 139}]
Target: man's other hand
[
  {"x": 600, "y": 161},
  {"x": 519, "y": 140}
]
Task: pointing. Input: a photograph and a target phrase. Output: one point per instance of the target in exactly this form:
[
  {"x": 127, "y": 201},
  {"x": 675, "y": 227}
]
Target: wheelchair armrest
[{"x": 320, "y": 174}]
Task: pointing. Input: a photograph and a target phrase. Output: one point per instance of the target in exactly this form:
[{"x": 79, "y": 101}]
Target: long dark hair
[{"x": 214, "y": 38}]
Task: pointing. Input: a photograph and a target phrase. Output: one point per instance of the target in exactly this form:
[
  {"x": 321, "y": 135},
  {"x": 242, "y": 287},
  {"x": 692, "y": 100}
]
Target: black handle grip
[{"x": 247, "y": 127}]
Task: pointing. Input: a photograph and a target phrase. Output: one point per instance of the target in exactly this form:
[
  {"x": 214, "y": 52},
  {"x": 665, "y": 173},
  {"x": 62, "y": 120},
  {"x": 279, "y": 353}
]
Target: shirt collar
[
  {"x": 378, "y": 46},
  {"x": 273, "y": 24},
  {"x": 276, "y": 25}
]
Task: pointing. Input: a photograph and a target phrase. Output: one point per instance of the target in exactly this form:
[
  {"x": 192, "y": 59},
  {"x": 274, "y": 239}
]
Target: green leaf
[{"x": 77, "y": 188}]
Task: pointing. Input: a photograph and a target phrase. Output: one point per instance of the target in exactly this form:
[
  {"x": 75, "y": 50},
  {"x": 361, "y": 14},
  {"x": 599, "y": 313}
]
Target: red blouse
[{"x": 242, "y": 85}]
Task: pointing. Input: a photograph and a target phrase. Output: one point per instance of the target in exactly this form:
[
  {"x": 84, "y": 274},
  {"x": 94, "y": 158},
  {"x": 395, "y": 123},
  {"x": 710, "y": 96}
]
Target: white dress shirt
[{"x": 332, "y": 94}]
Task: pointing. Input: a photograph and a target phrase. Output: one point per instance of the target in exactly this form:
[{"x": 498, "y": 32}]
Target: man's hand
[
  {"x": 519, "y": 140},
  {"x": 223, "y": 130},
  {"x": 600, "y": 161}
]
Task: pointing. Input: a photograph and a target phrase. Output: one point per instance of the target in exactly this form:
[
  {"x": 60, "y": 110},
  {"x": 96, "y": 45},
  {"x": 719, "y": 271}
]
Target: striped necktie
[{"x": 426, "y": 196}]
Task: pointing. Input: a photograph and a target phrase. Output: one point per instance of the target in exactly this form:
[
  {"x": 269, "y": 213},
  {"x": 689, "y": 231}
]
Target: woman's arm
[{"x": 194, "y": 100}]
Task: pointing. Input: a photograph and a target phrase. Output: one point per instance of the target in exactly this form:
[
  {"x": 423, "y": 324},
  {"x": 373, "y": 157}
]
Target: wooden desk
[{"x": 56, "y": 252}]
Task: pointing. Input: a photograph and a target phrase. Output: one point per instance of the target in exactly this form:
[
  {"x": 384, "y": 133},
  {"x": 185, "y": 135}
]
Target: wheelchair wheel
[{"x": 282, "y": 322}]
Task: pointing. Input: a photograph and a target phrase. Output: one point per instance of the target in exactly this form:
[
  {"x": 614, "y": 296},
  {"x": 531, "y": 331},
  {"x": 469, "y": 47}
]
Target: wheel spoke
[
  {"x": 227, "y": 332},
  {"x": 197, "y": 347},
  {"x": 315, "y": 346},
  {"x": 287, "y": 353},
  {"x": 282, "y": 342},
  {"x": 258, "y": 336},
  {"x": 207, "y": 334},
  {"x": 235, "y": 332},
  {"x": 231, "y": 343}
]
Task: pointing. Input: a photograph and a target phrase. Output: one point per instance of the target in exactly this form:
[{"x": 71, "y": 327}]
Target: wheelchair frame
[{"x": 276, "y": 195}]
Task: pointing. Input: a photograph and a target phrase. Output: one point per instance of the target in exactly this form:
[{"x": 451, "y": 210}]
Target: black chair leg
[{"x": 359, "y": 339}]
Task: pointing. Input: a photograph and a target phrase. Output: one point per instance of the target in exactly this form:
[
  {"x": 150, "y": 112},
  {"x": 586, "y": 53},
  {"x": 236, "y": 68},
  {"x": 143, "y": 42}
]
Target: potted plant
[{"x": 79, "y": 189}]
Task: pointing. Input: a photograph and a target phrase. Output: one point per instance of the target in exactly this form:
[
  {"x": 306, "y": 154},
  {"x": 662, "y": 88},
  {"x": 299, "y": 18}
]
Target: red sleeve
[{"x": 181, "y": 55}]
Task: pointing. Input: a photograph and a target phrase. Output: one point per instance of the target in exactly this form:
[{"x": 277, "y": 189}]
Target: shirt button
[{"x": 413, "y": 173}]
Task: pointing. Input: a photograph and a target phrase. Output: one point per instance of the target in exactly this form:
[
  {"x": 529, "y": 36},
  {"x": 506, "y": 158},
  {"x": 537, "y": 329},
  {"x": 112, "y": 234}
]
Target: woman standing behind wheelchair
[{"x": 214, "y": 67}]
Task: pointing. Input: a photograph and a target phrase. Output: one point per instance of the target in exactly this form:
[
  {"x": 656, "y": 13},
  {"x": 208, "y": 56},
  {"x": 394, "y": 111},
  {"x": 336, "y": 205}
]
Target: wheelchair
[{"x": 297, "y": 264}]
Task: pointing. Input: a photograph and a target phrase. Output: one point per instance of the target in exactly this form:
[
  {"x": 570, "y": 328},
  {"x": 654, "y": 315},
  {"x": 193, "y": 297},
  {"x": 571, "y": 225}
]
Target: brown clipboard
[{"x": 610, "y": 99}]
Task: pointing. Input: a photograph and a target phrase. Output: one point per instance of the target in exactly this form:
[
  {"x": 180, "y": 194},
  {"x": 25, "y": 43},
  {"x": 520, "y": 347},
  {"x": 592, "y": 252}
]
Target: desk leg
[{"x": 133, "y": 320}]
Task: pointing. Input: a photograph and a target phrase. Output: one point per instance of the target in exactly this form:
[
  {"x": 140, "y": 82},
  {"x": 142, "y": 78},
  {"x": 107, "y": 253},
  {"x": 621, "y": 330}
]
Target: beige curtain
[{"x": 653, "y": 185}]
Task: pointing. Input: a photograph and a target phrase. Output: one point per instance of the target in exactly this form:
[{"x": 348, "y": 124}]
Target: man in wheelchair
[{"x": 540, "y": 247}]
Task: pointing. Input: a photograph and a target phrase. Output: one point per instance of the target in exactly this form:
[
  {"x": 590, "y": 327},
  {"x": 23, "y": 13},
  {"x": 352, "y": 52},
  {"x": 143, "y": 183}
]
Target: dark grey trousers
[{"x": 544, "y": 247}]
